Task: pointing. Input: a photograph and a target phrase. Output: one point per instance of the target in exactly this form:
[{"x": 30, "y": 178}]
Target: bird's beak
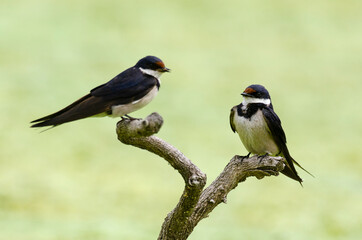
[
  {"x": 246, "y": 94},
  {"x": 165, "y": 69}
]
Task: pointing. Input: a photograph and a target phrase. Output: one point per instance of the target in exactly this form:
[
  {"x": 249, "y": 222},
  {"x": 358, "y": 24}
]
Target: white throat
[
  {"x": 248, "y": 100},
  {"x": 152, "y": 73}
]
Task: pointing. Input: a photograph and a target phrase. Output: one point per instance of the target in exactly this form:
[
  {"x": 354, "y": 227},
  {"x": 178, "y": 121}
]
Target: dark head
[
  {"x": 256, "y": 94},
  {"x": 256, "y": 91},
  {"x": 152, "y": 63}
]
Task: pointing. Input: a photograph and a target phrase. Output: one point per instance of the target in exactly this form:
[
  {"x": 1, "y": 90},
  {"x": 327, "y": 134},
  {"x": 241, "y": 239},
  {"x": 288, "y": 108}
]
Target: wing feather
[
  {"x": 128, "y": 86},
  {"x": 231, "y": 118},
  {"x": 277, "y": 132}
]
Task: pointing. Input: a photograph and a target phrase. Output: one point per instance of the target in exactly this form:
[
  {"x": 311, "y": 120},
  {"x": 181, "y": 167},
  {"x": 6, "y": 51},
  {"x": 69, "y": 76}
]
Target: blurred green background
[{"x": 77, "y": 181}]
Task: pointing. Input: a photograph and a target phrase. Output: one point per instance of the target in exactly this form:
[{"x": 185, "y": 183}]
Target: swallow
[
  {"x": 127, "y": 92},
  {"x": 260, "y": 129}
]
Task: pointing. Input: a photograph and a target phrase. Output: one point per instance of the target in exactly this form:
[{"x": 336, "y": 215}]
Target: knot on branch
[
  {"x": 127, "y": 128},
  {"x": 197, "y": 180}
]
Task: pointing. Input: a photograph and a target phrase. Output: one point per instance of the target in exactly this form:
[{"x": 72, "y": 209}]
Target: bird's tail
[
  {"x": 302, "y": 168},
  {"x": 53, "y": 120},
  {"x": 47, "y": 122},
  {"x": 290, "y": 171},
  {"x": 77, "y": 110}
]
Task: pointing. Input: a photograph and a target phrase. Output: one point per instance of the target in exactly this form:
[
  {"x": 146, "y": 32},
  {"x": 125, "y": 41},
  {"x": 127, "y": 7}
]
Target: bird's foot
[
  {"x": 261, "y": 157},
  {"x": 243, "y": 157},
  {"x": 130, "y": 118}
]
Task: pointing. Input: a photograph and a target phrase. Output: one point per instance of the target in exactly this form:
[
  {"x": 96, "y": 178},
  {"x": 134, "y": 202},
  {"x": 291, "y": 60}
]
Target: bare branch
[
  {"x": 137, "y": 133},
  {"x": 194, "y": 204},
  {"x": 236, "y": 171}
]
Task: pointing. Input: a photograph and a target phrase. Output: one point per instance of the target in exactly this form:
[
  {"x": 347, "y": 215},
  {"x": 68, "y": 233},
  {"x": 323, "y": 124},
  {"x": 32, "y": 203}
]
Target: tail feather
[
  {"x": 289, "y": 170},
  {"x": 45, "y": 123},
  {"x": 56, "y": 114},
  {"x": 302, "y": 168},
  {"x": 86, "y": 106},
  {"x": 289, "y": 173},
  {"x": 55, "y": 120}
]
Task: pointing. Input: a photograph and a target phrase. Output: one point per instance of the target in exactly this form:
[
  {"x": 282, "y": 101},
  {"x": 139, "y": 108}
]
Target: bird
[
  {"x": 260, "y": 130},
  {"x": 127, "y": 92}
]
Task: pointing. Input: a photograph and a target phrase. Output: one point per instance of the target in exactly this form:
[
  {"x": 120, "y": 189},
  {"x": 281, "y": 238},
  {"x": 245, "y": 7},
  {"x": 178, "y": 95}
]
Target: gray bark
[{"x": 195, "y": 202}]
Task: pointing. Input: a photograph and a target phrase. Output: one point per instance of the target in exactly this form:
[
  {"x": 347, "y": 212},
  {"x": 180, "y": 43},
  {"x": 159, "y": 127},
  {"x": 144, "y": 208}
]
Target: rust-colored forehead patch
[
  {"x": 160, "y": 64},
  {"x": 249, "y": 90}
]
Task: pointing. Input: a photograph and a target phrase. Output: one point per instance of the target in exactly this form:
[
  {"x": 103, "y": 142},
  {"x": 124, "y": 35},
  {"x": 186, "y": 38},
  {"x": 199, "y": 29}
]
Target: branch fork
[{"x": 195, "y": 202}]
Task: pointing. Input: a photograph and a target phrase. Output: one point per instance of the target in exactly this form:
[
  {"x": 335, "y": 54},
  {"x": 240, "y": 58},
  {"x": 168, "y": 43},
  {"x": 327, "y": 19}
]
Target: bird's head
[
  {"x": 256, "y": 94},
  {"x": 152, "y": 66}
]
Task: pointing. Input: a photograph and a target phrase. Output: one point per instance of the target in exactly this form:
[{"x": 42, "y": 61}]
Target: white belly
[
  {"x": 255, "y": 134},
  {"x": 121, "y": 110}
]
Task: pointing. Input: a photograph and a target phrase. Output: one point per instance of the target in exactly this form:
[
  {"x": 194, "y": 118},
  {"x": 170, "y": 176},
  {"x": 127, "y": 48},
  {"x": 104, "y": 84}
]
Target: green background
[{"x": 78, "y": 181}]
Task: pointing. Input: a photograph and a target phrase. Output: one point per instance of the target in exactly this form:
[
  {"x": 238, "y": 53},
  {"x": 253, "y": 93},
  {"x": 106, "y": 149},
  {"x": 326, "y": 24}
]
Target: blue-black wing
[
  {"x": 277, "y": 132},
  {"x": 275, "y": 127},
  {"x": 126, "y": 87}
]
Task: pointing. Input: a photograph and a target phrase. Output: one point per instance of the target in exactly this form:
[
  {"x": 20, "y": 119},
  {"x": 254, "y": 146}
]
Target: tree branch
[
  {"x": 137, "y": 133},
  {"x": 237, "y": 170},
  {"x": 194, "y": 204}
]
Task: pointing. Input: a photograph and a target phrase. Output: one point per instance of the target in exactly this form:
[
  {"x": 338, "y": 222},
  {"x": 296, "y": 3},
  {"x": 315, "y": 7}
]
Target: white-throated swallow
[
  {"x": 127, "y": 92},
  {"x": 260, "y": 129}
]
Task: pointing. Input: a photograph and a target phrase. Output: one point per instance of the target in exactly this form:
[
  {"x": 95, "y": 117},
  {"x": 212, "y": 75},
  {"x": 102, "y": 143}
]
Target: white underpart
[
  {"x": 248, "y": 100},
  {"x": 121, "y": 110},
  {"x": 255, "y": 134},
  {"x": 153, "y": 73}
]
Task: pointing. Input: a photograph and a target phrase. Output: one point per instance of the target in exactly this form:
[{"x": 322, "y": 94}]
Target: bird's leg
[
  {"x": 261, "y": 157},
  {"x": 131, "y": 118},
  {"x": 243, "y": 157}
]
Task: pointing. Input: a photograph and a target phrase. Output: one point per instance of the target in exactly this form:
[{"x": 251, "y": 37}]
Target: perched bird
[
  {"x": 127, "y": 92},
  {"x": 260, "y": 129}
]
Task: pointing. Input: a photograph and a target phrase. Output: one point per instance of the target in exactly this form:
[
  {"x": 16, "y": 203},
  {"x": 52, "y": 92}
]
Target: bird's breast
[
  {"x": 121, "y": 110},
  {"x": 254, "y": 134}
]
